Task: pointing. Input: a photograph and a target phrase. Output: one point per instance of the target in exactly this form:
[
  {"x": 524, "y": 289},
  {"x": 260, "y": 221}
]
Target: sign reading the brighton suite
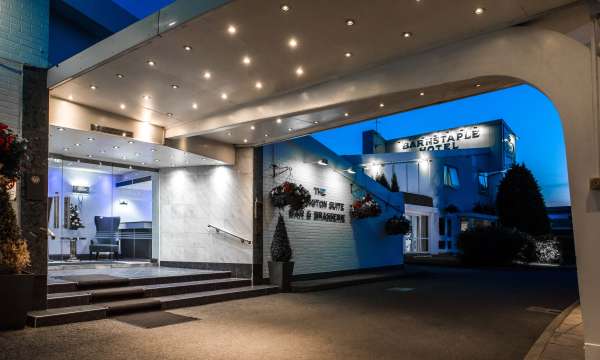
[
  {"x": 320, "y": 209},
  {"x": 460, "y": 138}
]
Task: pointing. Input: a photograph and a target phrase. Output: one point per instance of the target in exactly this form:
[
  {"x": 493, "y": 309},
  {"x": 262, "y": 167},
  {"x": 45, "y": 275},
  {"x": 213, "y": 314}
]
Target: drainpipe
[{"x": 595, "y": 13}]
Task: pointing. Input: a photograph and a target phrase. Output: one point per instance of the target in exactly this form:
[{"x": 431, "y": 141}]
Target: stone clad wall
[
  {"x": 326, "y": 246},
  {"x": 192, "y": 198}
]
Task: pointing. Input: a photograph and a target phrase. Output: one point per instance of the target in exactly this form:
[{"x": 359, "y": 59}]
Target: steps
[{"x": 89, "y": 301}]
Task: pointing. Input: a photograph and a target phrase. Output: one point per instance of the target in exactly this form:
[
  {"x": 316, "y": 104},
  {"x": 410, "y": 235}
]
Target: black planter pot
[
  {"x": 15, "y": 300},
  {"x": 280, "y": 274}
]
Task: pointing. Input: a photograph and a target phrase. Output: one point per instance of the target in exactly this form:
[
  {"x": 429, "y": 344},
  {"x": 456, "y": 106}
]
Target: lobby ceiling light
[
  {"x": 381, "y": 105},
  {"x": 130, "y": 142},
  {"x": 350, "y": 22},
  {"x": 229, "y": 133},
  {"x": 346, "y": 114},
  {"x": 290, "y": 129},
  {"x": 91, "y": 139},
  {"x": 479, "y": 11},
  {"x": 348, "y": 54},
  {"x": 258, "y": 85},
  {"x": 116, "y": 147},
  {"x": 195, "y": 106},
  {"x": 246, "y": 60},
  {"x": 266, "y": 135},
  {"x": 293, "y": 43},
  {"x": 151, "y": 63},
  {"x": 245, "y": 141},
  {"x": 422, "y": 93},
  {"x": 252, "y": 127},
  {"x": 174, "y": 86},
  {"x": 122, "y": 106},
  {"x": 78, "y": 144},
  {"x": 477, "y": 85},
  {"x": 153, "y": 150},
  {"x": 120, "y": 76},
  {"x": 231, "y": 29},
  {"x": 299, "y": 71},
  {"x": 224, "y": 96},
  {"x": 278, "y": 120},
  {"x": 285, "y": 8},
  {"x": 187, "y": 48},
  {"x": 93, "y": 87},
  {"x": 61, "y": 129},
  {"x": 323, "y": 162},
  {"x": 66, "y": 149},
  {"x": 316, "y": 122},
  {"x": 156, "y": 160},
  {"x": 90, "y": 156},
  {"x": 406, "y": 34},
  {"x": 207, "y": 75}
]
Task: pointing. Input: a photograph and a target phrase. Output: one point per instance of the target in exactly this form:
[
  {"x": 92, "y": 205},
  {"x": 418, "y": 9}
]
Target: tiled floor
[{"x": 567, "y": 340}]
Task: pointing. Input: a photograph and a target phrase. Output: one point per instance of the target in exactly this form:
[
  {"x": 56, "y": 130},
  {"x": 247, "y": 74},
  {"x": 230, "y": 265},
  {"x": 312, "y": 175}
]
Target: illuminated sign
[{"x": 460, "y": 138}]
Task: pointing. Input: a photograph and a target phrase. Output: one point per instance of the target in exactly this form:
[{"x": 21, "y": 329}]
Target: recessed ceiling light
[
  {"x": 293, "y": 43},
  {"x": 207, "y": 75},
  {"x": 315, "y": 122},
  {"x": 477, "y": 85},
  {"x": 299, "y": 71},
  {"x": 194, "y": 106},
  {"x": 153, "y": 150},
  {"x": 174, "y": 86},
  {"x": 156, "y": 160},
  {"x": 122, "y": 106},
  {"x": 406, "y": 34},
  {"x": 120, "y": 76},
  {"x": 78, "y": 144},
  {"x": 479, "y": 11},
  {"x": 93, "y": 87},
  {"x": 346, "y": 114},
  {"x": 102, "y": 151},
  {"x": 150, "y": 63},
  {"x": 285, "y": 8},
  {"x": 350, "y": 22},
  {"x": 348, "y": 54},
  {"x": 245, "y": 141},
  {"x": 187, "y": 48},
  {"x": 66, "y": 149},
  {"x": 290, "y": 129},
  {"x": 116, "y": 147},
  {"x": 137, "y": 154},
  {"x": 266, "y": 135},
  {"x": 91, "y": 139},
  {"x": 246, "y": 60},
  {"x": 229, "y": 133},
  {"x": 258, "y": 85},
  {"x": 170, "y": 115},
  {"x": 90, "y": 156},
  {"x": 224, "y": 96},
  {"x": 146, "y": 97},
  {"x": 422, "y": 93},
  {"x": 61, "y": 129},
  {"x": 279, "y": 120},
  {"x": 231, "y": 29},
  {"x": 252, "y": 127},
  {"x": 381, "y": 105},
  {"x": 70, "y": 97},
  {"x": 143, "y": 163}
]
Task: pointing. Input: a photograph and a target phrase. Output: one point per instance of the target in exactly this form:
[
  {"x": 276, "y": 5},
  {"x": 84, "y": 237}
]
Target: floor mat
[
  {"x": 153, "y": 319},
  {"x": 95, "y": 280}
]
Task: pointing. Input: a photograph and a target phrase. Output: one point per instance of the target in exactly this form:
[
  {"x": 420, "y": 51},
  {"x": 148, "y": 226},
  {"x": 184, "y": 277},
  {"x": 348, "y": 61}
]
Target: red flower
[{"x": 3, "y": 126}]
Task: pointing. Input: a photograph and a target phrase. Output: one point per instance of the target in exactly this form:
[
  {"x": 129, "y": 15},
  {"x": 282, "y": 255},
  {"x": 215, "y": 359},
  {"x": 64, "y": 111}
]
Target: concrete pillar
[{"x": 34, "y": 185}]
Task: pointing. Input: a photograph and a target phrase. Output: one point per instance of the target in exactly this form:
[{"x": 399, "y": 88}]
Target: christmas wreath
[
  {"x": 397, "y": 226},
  {"x": 364, "y": 208},
  {"x": 289, "y": 193}
]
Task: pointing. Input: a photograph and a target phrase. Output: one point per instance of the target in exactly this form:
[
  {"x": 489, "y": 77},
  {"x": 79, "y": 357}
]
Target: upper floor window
[
  {"x": 451, "y": 177},
  {"x": 483, "y": 182}
]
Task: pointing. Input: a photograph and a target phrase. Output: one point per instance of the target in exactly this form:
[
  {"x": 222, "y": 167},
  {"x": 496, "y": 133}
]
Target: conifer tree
[
  {"x": 394, "y": 187},
  {"x": 280, "y": 247},
  {"x": 14, "y": 254},
  {"x": 383, "y": 181}
]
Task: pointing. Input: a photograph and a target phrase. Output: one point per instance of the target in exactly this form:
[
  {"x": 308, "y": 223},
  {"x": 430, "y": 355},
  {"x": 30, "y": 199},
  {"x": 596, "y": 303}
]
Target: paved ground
[
  {"x": 565, "y": 341},
  {"x": 451, "y": 314}
]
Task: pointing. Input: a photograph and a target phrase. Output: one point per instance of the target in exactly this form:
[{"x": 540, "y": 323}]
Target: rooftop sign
[{"x": 467, "y": 137}]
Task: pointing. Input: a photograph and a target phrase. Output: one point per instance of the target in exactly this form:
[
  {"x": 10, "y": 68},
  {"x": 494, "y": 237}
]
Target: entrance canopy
[{"x": 251, "y": 72}]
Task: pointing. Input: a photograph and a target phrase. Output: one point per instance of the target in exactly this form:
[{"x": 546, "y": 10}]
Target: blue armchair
[{"x": 106, "y": 239}]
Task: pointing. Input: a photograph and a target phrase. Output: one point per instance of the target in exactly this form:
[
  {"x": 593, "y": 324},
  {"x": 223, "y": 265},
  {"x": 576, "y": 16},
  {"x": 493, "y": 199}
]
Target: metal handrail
[{"x": 242, "y": 240}]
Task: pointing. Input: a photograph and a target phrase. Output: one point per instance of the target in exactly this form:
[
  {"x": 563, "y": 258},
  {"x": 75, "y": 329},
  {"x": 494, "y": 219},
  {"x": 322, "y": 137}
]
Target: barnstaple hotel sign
[{"x": 461, "y": 138}]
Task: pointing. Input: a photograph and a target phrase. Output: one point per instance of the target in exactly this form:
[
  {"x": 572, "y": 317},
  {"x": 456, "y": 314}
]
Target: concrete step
[
  {"x": 61, "y": 286},
  {"x": 349, "y": 280},
  {"x": 86, "y": 297},
  {"x": 98, "y": 311}
]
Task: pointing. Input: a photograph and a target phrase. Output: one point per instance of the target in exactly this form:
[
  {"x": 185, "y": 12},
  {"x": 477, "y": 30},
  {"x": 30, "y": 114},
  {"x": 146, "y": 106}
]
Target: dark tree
[
  {"x": 394, "y": 187},
  {"x": 383, "y": 181},
  {"x": 9, "y": 228},
  {"x": 520, "y": 203},
  {"x": 280, "y": 247}
]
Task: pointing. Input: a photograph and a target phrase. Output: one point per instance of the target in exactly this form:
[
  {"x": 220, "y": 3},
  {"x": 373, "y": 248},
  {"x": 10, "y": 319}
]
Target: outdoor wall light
[
  {"x": 323, "y": 162},
  {"x": 123, "y": 203},
  {"x": 350, "y": 171}
]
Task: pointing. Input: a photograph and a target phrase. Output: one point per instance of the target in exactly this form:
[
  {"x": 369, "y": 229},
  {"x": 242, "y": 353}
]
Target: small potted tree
[
  {"x": 280, "y": 266},
  {"x": 16, "y": 287}
]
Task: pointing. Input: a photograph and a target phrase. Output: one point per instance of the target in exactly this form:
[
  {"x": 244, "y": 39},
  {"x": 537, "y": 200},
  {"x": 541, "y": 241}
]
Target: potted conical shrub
[
  {"x": 280, "y": 266},
  {"x": 16, "y": 287}
]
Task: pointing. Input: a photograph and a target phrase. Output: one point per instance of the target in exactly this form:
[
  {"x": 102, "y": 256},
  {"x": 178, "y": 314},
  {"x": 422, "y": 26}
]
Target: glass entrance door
[{"x": 417, "y": 241}]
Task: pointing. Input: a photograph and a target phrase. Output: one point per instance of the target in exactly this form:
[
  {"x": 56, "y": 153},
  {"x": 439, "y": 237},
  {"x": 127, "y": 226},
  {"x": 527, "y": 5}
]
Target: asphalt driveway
[{"x": 448, "y": 314}]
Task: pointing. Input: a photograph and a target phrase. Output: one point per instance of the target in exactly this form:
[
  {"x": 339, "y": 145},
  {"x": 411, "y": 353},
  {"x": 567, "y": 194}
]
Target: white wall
[
  {"x": 320, "y": 246},
  {"x": 191, "y": 198}
]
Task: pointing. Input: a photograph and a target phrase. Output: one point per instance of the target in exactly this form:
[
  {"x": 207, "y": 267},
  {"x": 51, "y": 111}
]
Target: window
[
  {"x": 449, "y": 227},
  {"x": 451, "y": 177},
  {"x": 442, "y": 226},
  {"x": 483, "y": 182}
]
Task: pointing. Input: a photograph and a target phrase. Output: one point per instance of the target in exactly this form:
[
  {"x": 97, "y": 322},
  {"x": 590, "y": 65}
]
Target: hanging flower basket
[
  {"x": 397, "y": 226},
  {"x": 13, "y": 156},
  {"x": 364, "y": 208},
  {"x": 292, "y": 194}
]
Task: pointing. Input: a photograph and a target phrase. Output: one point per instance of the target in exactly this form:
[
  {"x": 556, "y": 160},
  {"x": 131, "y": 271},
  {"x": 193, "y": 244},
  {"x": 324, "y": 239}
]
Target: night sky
[{"x": 529, "y": 113}]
